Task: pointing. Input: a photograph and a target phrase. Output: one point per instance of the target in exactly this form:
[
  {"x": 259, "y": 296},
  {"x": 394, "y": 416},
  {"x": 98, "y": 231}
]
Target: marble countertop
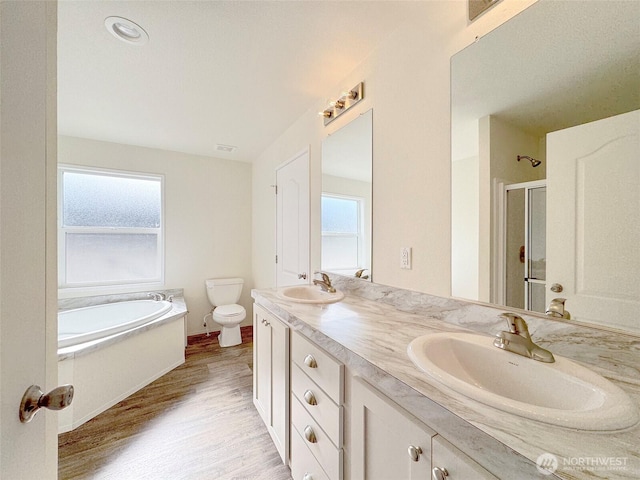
[{"x": 370, "y": 329}]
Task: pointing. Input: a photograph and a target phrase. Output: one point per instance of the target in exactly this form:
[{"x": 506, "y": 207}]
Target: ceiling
[
  {"x": 213, "y": 72},
  {"x": 553, "y": 66}
]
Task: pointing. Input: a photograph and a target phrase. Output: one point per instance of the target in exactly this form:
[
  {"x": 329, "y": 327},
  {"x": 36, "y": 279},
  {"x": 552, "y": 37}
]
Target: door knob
[
  {"x": 302, "y": 276},
  {"x": 557, "y": 288},
  {"x": 34, "y": 399}
]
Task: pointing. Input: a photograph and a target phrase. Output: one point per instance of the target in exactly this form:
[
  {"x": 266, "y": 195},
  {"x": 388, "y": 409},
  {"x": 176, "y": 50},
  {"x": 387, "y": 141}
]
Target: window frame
[
  {"x": 73, "y": 289},
  {"x": 359, "y": 235}
]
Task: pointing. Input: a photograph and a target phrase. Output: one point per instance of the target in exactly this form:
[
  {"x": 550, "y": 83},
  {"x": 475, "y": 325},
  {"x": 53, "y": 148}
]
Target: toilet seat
[{"x": 229, "y": 311}]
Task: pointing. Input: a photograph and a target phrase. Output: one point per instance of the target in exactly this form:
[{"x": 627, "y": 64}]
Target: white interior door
[
  {"x": 593, "y": 214},
  {"x": 292, "y": 221},
  {"x": 28, "y": 293}
]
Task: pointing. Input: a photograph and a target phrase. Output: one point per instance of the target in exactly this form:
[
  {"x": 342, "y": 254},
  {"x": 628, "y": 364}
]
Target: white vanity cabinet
[
  {"x": 271, "y": 376},
  {"x": 445, "y": 458},
  {"x": 317, "y": 393},
  {"x": 388, "y": 442}
]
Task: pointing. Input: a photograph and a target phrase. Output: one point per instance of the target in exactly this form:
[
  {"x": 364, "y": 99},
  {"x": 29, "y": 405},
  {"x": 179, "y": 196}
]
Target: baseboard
[{"x": 246, "y": 333}]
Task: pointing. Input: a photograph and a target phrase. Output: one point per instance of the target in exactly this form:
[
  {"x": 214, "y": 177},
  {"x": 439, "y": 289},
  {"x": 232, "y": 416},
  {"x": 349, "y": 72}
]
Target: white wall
[
  {"x": 407, "y": 85},
  {"x": 464, "y": 227},
  {"x": 207, "y": 215}
]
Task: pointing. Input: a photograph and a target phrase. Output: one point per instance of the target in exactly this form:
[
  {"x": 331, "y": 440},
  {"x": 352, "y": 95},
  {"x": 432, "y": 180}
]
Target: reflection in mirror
[
  {"x": 346, "y": 198},
  {"x": 545, "y": 167}
]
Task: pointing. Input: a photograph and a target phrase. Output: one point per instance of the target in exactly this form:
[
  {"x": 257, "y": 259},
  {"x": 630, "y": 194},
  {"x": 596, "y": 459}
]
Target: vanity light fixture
[
  {"x": 347, "y": 100},
  {"x": 126, "y": 30}
]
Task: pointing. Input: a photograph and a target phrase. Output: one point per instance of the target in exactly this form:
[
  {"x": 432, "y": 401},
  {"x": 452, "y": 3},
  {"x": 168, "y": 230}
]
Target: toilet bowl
[{"x": 223, "y": 293}]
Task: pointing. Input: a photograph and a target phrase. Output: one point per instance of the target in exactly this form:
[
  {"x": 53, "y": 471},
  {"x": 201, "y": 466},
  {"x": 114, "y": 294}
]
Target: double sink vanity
[{"x": 377, "y": 382}]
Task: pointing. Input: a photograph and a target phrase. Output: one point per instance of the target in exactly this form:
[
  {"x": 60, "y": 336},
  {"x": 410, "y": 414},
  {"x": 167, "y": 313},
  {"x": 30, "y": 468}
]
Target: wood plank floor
[{"x": 196, "y": 422}]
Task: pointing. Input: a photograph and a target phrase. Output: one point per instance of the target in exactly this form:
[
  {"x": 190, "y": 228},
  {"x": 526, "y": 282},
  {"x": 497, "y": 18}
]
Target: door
[
  {"x": 524, "y": 246},
  {"x": 28, "y": 293},
  {"x": 593, "y": 188},
  {"x": 292, "y": 221},
  {"x": 386, "y": 441}
]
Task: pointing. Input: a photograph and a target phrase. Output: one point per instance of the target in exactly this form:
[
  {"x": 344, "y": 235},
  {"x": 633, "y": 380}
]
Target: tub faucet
[
  {"x": 556, "y": 309},
  {"x": 155, "y": 296},
  {"x": 325, "y": 283},
  {"x": 518, "y": 340}
]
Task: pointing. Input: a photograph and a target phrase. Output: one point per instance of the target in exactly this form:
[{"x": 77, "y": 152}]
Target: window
[
  {"x": 110, "y": 228},
  {"x": 341, "y": 232}
]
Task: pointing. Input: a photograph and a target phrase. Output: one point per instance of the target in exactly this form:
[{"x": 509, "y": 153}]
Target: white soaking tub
[{"x": 110, "y": 351}]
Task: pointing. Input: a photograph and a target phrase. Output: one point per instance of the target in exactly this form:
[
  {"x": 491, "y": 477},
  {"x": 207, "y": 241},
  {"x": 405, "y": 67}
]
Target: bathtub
[
  {"x": 82, "y": 325},
  {"x": 110, "y": 351}
]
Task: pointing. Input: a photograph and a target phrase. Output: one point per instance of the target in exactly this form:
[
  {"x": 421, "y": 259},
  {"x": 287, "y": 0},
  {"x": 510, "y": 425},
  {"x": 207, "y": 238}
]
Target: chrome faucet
[
  {"x": 325, "y": 283},
  {"x": 155, "y": 296},
  {"x": 518, "y": 340},
  {"x": 556, "y": 309}
]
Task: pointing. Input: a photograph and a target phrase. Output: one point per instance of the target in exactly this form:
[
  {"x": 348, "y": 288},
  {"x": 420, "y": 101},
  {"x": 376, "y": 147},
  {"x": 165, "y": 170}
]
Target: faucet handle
[{"x": 516, "y": 323}]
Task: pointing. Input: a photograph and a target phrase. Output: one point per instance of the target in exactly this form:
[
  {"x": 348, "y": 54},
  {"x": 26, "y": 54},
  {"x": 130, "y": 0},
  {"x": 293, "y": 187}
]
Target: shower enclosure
[{"x": 524, "y": 245}]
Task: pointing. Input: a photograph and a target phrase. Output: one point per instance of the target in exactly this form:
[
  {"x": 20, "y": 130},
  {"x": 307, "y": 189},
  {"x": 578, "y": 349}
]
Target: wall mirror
[
  {"x": 544, "y": 204},
  {"x": 346, "y": 198}
]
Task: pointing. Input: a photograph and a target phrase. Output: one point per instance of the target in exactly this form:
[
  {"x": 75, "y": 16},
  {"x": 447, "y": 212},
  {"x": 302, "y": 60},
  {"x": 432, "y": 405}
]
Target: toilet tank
[{"x": 224, "y": 291}]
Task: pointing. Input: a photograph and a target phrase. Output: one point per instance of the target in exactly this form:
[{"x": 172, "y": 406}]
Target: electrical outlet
[{"x": 405, "y": 258}]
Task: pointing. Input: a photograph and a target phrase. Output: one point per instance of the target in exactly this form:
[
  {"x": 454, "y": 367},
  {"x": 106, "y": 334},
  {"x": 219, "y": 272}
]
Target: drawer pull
[
  {"x": 414, "y": 452},
  {"x": 439, "y": 473},
  {"x": 310, "y": 362},
  {"x": 310, "y": 398},
  {"x": 310, "y": 435}
]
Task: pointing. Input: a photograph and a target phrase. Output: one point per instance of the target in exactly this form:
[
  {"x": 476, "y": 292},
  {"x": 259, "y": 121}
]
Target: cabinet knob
[
  {"x": 310, "y": 362},
  {"x": 310, "y": 398},
  {"x": 439, "y": 473},
  {"x": 414, "y": 452},
  {"x": 310, "y": 435},
  {"x": 307, "y": 476}
]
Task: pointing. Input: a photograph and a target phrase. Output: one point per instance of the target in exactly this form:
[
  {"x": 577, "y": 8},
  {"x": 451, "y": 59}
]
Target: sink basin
[
  {"x": 309, "y": 294},
  {"x": 560, "y": 393}
]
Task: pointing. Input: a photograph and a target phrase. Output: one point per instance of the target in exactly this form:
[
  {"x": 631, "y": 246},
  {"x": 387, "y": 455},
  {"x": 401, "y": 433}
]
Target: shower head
[{"x": 534, "y": 162}]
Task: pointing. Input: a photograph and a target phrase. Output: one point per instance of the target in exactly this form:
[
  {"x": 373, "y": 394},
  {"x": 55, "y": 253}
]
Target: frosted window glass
[
  {"x": 108, "y": 258},
  {"x": 94, "y": 200},
  {"x": 339, "y": 252},
  {"x": 339, "y": 215}
]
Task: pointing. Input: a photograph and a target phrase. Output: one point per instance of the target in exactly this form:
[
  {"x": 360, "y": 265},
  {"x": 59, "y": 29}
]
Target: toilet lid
[{"x": 229, "y": 310}]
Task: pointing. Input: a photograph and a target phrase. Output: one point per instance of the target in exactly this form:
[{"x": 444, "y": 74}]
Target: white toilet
[{"x": 223, "y": 294}]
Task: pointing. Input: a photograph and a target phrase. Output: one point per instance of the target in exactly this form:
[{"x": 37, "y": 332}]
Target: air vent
[{"x": 226, "y": 148}]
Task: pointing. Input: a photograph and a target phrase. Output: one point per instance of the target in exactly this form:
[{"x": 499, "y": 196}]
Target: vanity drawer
[
  {"x": 316, "y": 440},
  {"x": 325, "y": 411},
  {"x": 321, "y": 367},
  {"x": 304, "y": 465}
]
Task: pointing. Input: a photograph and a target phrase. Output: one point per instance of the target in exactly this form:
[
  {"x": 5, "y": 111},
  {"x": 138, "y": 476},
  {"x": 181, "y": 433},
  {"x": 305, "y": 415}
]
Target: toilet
[{"x": 223, "y": 294}]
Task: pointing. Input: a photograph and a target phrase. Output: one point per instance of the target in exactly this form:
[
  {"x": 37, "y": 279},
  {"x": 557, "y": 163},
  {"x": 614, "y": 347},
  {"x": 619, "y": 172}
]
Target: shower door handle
[{"x": 34, "y": 399}]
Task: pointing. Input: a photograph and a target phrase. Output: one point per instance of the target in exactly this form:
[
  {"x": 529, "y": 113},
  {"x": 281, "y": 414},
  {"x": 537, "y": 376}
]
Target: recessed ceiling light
[{"x": 126, "y": 30}]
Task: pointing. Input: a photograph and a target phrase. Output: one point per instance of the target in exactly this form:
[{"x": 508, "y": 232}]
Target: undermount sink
[
  {"x": 309, "y": 294},
  {"x": 560, "y": 393}
]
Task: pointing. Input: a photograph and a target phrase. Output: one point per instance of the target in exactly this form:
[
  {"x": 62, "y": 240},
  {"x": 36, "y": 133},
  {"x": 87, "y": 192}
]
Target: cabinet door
[
  {"x": 383, "y": 436},
  {"x": 271, "y": 376},
  {"x": 262, "y": 364},
  {"x": 457, "y": 465},
  {"x": 279, "y": 425}
]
